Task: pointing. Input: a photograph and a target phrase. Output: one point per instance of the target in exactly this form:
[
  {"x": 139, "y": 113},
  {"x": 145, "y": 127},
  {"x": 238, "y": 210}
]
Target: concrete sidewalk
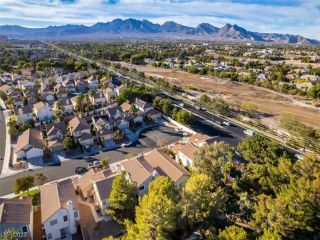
[{"x": 7, "y": 153}]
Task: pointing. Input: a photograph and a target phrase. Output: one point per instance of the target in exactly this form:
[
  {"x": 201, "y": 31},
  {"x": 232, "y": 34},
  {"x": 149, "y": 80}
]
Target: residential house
[
  {"x": 31, "y": 95},
  {"x": 24, "y": 114},
  {"x": 96, "y": 187},
  {"x": 185, "y": 152},
  {"x": 16, "y": 214},
  {"x": 61, "y": 91},
  {"x": 125, "y": 107},
  {"x": 123, "y": 122},
  {"x": 29, "y": 145},
  {"x": 16, "y": 97},
  {"x": 147, "y": 109},
  {"x": 69, "y": 84},
  {"x": 66, "y": 103},
  {"x": 114, "y": 112},
  {"x": 81, "y": 86},
  {"x": 42, "y": 111},
  {"x": 304, "y": 85},
  {"x": 110, "y": 94},
  {"x": 23, "y": 85},
  {"x": 80, "y": 130},
  {"x": 55, "y": 135},
  {"x": 103, "y": 128},
  {"x": 145, "y": 168},
  {"x": 59, "y": 210},
  {"x": 312, "y": 78},
  {"x": 93, "y": 83},
  {"x": 48, "y": 97},
  {"x": 98, "y": 99}
]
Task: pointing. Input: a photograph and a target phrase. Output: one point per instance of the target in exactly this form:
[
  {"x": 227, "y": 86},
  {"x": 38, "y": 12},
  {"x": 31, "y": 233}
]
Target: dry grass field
[{"x": 273, "y": 104}]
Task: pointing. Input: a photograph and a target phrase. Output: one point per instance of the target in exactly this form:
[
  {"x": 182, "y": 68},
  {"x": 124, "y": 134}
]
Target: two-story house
[
  {"x": 145, "y": 168},
  {"x": 96, "y": 187},
  {"x": 24, "y": 114},
  {"x": 103, "y": 128},
  {"x": 67, "y": 105},
  {"x": 80, "y": 130},
  {"x": 29, "y": 145},
  {"x": 98, "y": 99},
  {"x": 59, "y": 210},
  {"x": 55, "y": 135},
  {"x": 61, "y": 91},
  {"x": 42, "y": 111}
]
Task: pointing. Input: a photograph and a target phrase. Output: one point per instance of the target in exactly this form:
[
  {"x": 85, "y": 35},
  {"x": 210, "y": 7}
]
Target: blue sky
[{"x": 282, "y": 16}]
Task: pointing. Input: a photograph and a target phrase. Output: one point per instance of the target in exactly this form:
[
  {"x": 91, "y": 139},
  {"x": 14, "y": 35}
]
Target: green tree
[
  {"x": 9, "y": 234},
  {"x": 184, "y": 117},
  {"x": 3, "y": 96},
  {"x": 40, "y": 179},
  {"x": 68, "y": 142},
  {"x": 59, "y": 111},
  {"x": 209, "y": 160},
  {"x": 270, "y": 235},
  {"x": 259, "y": 149},
  {"x": 105, "y": 162},
  {"x": 197, "y": 199},
  {"x": 123, "y": 199},
  {"x": 23, "y": 184},
  {"x": 233, "y": 233},
  {"x": 156, "y": 215}
]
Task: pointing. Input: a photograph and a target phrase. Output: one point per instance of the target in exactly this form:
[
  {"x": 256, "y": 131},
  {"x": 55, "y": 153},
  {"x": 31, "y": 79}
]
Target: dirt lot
[{"x": 269, "y": 102}]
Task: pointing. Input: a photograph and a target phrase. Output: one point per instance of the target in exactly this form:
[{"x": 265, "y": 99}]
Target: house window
[
  {"x": 75, "y": 214},
  {"x": 53, "y": 222},
  {"x": 65, "y": 218},
  {"x": 63, "y": 232},
  {"x": 49, "y": 236},
  {"x": 141, "y": 188},
  {"x": 24, "y": 229}
]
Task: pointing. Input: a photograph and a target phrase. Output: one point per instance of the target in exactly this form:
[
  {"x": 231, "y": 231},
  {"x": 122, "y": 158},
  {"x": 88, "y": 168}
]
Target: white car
[
  {"x": 177, "y": 129},
  {"x": 298, "y": 156},
  {"x": 248, "y": 132},
  {"x": 226, "y": 123},
  {"x": 126, "y": 144},
  {"x": 95, "y": 164}
]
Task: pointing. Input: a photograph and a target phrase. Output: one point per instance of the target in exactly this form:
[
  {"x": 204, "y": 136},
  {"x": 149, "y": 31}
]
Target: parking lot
[{"x": 157, "y": 136}]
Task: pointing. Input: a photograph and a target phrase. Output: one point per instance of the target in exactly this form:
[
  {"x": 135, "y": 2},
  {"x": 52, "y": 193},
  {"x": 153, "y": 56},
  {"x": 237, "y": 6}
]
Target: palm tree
[
  {"x": 80, "y": 103},
  {"x": 59, "y": 112}
]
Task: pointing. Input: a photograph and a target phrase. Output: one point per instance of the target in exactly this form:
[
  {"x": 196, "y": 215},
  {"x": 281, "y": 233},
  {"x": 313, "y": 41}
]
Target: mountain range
[{"x": 144, "y": 29}]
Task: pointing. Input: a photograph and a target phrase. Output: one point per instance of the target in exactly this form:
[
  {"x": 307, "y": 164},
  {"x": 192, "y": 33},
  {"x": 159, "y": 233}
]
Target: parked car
[
  {"x": 249, "y": 132},
  {"x": 177, "y": 129},
  {"x": 226, "y": 123},
  {"x": 298, "y": 156},
  {"x": 80, "y": 170},
  {"x": 181, "y": 104},
  {"x": 127, "y": 144},
  {"x": 218, "y": 122},
  {"x": 95, "y": 164}
]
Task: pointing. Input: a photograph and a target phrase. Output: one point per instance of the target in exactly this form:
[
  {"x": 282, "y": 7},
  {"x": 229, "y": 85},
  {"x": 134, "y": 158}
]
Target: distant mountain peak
[{"x": 133, "y": 28}]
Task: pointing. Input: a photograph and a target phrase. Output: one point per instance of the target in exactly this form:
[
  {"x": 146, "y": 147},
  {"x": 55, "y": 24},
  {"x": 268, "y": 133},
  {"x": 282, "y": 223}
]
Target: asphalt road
[
  {"x": 148, "y": 141},
  {"x": 2, "y": 138}
]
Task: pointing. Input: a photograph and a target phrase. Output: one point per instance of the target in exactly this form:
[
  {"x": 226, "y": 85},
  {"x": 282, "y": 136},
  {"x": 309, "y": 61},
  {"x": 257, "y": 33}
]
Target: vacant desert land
[{"x": 273, "y": 104}]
